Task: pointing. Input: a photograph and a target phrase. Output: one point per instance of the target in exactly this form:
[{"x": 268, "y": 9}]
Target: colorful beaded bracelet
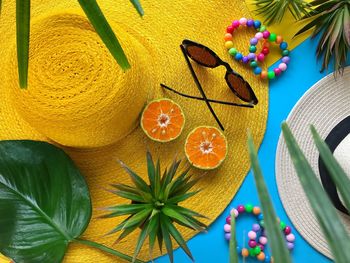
[
  {"x": 262, "y": 33},
  {"x": 257, "y": 236}
]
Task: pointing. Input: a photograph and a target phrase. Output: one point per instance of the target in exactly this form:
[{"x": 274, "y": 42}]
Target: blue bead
[
  {"x": 260, "y": 217},
  {"x": 239, "y": 249},
  {"x": 257, "y": 70},
  {"x": 257, "y": 23},
  {"x": 283, "y": 45},
  {"x": 267, "y": 258},
  {"x": 238, "y": 56}
]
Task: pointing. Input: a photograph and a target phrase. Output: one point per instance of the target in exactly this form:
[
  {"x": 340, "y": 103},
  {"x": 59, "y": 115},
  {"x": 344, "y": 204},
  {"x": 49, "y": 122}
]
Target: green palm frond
[
  {"x": 331, "y": 20},
  {"x": 274, "y": 10},
  {"x": 154, "y": 207}
]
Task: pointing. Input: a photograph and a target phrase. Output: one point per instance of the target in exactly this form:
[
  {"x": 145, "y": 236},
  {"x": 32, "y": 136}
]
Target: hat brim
[
  {"x": 324, "y": 105},
  {"x": 164, "y": 26}
]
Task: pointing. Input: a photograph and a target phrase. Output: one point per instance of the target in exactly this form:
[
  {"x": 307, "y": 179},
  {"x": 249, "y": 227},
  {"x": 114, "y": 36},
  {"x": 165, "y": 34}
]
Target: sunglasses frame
[{"x": 219, "y": 62}]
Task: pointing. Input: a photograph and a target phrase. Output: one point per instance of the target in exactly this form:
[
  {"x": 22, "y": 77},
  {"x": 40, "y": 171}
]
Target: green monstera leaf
[{"x": 44, "y": 201}]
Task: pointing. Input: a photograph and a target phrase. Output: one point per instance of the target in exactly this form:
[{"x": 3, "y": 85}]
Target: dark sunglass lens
[
  {"x": 241, "y": 87},
  {"x": 201, "y": 55}
]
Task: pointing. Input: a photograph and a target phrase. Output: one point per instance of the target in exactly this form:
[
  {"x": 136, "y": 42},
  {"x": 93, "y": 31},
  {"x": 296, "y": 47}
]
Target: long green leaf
[
  {"x": 104, "y": 30},
  {"x": 326, "y": 214},
  {"x": 176, "y": 215},
  {"x": 167, "y": 239},
  {"x": 106, "y": 249},
  {"x": 337, "y": 173},
  {"x": 120, "y": 210},
  {"x": 23, "y": 29},
  {"x": 177, "y": 236},
  {"x": 233, "y": 241},
  {"x": 142, "y": 237},
  {"x": 138, "y": 6},
  {"x": 128, "y": 195},
  {"x": 137, "y": 180},
  {"x": 151, "y": 170},
  {"x": 50, "y": 199},
  {"x": 278, "y": 247},
  {"x": 181, "y": 198},
  {"x": 154, "y": 229},
  {"x": 138, "y": 217}
]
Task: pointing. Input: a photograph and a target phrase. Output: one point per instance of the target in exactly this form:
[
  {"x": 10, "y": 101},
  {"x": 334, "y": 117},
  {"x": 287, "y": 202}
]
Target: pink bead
[
  {"x": 266, "y": 34},
  {"x": 287, "y": 230},
  {"x": 282, "y": 66},
  {"x": 277, "y": 71},
  {"x": 252, "y": 235},
  {"x": 240, "y": 209},
  {"x": 263, "y": 240},
  {"x": 261, "y": 57},
  {"x": 259, "y": 35},
  {"x": 227, "y": 228},
  {"x": 252, "y": 243},
  {"x": 228, "y": 220},
  {"x": 262, "y": 247},
  {"x": 234, "y": 211},
  {"x": 290, "y": 238},
  {"x": 243, "y": 21},
  {"x": 235, "y": 23}
]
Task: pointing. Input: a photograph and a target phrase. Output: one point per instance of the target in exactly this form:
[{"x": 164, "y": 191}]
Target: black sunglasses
[{"x": 208, "y": 58}]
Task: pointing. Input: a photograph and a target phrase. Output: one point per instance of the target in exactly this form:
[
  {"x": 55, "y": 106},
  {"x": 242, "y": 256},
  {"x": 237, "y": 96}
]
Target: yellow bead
[
  {"x": 229, "y": 44},
  {"x": 245, "y": 252},
  {"x": 261, "y": 256}
]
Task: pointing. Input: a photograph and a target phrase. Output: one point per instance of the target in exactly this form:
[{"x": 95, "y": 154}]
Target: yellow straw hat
[{"x": 79, "y": 98}]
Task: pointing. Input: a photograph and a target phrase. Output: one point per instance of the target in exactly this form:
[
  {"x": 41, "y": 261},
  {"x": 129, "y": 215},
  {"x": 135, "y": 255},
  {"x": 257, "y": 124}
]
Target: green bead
[
  {"x": 271, "y": 75},
  {"x": 285, "y": 52},
  {"x": 262, "y": 28},
  {"x": 252, "y": 49},
  {"x": 252, "y": 252},
  {"x": 262, "y": 223},
  {"x": 232, "y": 51},
  {"x": 272, "y": 37},
  {"x": 282, "y": 225},
  {"x": 257, "y": 250},
  {"x": 253, "y": 64},
  {"x": 248, "y": 208}
]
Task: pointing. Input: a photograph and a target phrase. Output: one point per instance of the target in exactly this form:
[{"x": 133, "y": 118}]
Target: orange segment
[
  {"x": 162, "y": 120},
  {"x": 206, "y": 147}
]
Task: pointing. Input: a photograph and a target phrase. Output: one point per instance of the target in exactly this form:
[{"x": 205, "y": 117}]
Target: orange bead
[
  {"x": 228, "y": 37},
  {"x": 279, "y": 40},
  {"x": 261, "y": 256},
  {"x": 245, "y": 252},
  {"x": 263, "y": 75},
  {"x": 266, "y": 44}
]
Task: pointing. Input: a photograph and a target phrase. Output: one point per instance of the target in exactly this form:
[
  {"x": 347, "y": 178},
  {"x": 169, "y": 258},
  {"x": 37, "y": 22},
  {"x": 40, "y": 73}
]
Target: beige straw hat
[
  {"x": 80, "y": 99},
  {"x": 325, "y": 105}
]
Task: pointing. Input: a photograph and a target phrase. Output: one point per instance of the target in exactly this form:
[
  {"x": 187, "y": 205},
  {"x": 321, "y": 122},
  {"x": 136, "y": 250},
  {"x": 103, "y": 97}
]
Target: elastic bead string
[
  {"x": 257, "y": 236},
  {"x": 252, "y": 59}
]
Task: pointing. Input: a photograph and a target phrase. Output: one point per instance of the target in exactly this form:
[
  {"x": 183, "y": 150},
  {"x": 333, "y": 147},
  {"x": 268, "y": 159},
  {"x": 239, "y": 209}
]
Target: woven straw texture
[
  {"x": 324, "y": 106},
  {"x": 79, "y": 97}
]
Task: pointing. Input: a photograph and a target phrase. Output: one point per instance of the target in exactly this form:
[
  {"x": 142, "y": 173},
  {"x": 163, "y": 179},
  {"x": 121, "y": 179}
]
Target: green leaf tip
[{"x": 138, "y": 7}]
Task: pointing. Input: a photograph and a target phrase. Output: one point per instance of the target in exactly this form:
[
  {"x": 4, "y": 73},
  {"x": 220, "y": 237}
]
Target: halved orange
[
  {"x": 162, "y": 120},
  {"x": 206, "y": 147}
]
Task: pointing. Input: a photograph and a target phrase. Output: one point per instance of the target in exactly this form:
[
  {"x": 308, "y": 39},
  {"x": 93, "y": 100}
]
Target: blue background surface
[{"x": 285, "y": 91}]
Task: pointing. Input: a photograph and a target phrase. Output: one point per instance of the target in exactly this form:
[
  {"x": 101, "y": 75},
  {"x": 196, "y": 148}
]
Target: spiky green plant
[
  {"x": 154, "y": 207},
  {"x": 274, "y": 10}
]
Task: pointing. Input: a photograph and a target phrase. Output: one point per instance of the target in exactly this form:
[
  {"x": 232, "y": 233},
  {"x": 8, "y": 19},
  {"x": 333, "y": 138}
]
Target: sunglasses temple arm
[
  {"x": 200, "y": 88},
  {"x": 210, "y": 100}
]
